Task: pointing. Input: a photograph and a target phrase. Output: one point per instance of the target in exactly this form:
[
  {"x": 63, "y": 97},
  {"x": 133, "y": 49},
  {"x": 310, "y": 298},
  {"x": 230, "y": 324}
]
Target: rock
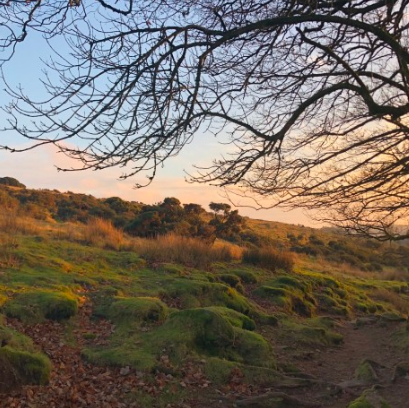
[
  {"x": 125, "y": 371},
  {"x": 365, "y": 321},
  {"x": 369, "y": 399},
  {"x": 401, "y": 371},
  {"x": 391, "y": 317},
  {"x": 366, "y": 373}
]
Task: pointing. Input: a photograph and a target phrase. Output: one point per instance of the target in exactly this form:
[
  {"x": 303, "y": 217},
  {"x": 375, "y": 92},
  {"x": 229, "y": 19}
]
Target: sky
[{"x": 37, "y": 168}]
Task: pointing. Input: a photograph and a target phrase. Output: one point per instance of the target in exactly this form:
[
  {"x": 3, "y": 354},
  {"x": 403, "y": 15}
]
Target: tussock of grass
[
  {"x": 186, "y": 251},
  {"x": 100, "y": 232},
  {"x": 12, "y": 223},
  {"x": 269, "y": 258}
]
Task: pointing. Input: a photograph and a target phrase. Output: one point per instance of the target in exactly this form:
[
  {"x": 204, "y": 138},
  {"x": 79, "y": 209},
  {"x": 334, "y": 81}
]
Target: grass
[
  {"x": 191, "y": 252},
  {"x": 269, "y": 258},
  {"x": 100, "y": 232},
  {"x": 183, "y": 298}
]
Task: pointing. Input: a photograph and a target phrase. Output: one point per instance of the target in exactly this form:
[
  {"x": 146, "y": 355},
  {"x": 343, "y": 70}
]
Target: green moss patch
[
  {"x": 194, "y": 293},
  {"x": 22, "y": 368},
  {"x": 20, "y": 363},
  {"x": 366, "y": 372},
  {"x": 200, "y": 332},
  {"x": 369, "y": 399},
  {"x": 138, "y": 309},
  {"x": 312, "y": 333},
  {"x": 37, "y": 306}
]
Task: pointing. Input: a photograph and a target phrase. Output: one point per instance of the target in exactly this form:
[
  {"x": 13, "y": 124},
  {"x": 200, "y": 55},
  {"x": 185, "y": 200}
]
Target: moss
[
  {"x": 201, "y": 332},
  {"x": 290, "y": 281},
  {"x": 234, "y": 318},
  {"x": 286, "y": 299},
  {"x": 266, "y": 319},
  {"x": 253, "y": 349},
  {"x": 37, "y": 306},
  {"x": 392, "y": 317},
  {"x": 220, "y": 371},
  {"x": 194, "y": 293},
  {"x": 369, "y": 399},
  {"x": 313, "y": 333},
  {"x": 245, "y": 276},
  {"x": 21, "y": 368},
  {"x": 365, "y": 372},
  {"x": 138, "y": 309}
]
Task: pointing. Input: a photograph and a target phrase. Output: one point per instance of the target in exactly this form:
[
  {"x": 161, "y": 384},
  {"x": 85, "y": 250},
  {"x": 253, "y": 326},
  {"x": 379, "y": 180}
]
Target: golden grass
[
  {"x": 186, "y": 251},
  {"x": 397, "y": 300},
  {"x": 100, "y": 232},
  {"x": 12, "y": 223},
  {"x": 269, "y": 258}
]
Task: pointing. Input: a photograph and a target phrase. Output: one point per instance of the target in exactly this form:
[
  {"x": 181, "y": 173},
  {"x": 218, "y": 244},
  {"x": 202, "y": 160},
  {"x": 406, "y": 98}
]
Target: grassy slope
[{"x": 226, "y": 315}]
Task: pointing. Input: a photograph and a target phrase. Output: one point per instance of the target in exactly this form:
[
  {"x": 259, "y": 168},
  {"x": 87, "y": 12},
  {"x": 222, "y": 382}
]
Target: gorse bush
[
  {"x": 269, "y": 258},
  {"x": 187, "y": 251}
]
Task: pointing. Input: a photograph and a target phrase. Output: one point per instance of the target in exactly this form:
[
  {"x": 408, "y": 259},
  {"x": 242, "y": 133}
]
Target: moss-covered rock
[
  {"x": 37, "y": 306},
  {"x": 137, "y": 309},
  {"x": 369, "y": 399},
  {"x": 365, "y": 372}
]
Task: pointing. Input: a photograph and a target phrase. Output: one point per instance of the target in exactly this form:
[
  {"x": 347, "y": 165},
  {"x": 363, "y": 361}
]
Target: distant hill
[{"x": 191, "y": 220}]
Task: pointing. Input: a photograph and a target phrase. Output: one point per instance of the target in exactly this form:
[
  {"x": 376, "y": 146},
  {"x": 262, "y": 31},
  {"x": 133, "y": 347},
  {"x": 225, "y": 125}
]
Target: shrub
[{"x": 269, "y": 258}]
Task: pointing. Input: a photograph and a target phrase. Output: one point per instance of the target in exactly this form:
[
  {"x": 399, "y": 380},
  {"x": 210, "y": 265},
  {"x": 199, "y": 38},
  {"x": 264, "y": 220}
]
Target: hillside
[{"x": 263, "y": 315}]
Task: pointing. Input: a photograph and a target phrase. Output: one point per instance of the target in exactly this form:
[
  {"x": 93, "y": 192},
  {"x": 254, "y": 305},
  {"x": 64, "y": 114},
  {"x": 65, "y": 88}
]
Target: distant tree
[
  {"x": 193, "y": 209},
  {"x": 220, "y": 209},
  {"x": 10, "y": 181}
]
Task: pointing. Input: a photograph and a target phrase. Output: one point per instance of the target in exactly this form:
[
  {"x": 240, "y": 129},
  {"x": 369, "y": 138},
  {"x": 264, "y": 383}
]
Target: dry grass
[
  {"x": 397, "y": 300},
  {"x": 100, "y": 232},
  {"x": 269, "y": 258},
  {"x": 68, "y": 231},
  {"x": 12, "y": 223},
  {"x": 186, "y": 251}
]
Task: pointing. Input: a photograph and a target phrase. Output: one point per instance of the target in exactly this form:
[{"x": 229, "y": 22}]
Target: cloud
[{"x": 37, "y": 169}]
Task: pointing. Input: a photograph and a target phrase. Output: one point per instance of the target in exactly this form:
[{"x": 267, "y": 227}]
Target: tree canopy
[{"x": 312, "y": 96}]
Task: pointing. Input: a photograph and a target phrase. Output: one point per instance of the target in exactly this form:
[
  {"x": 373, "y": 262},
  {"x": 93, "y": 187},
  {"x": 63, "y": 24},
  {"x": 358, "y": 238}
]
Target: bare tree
[{"x": 313, "y": 95}]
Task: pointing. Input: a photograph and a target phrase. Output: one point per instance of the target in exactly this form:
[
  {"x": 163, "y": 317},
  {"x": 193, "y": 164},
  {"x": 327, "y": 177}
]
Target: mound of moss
[
  {"x": 20, "y": 364},
  {"x": 138, "y": 309},
  {"x": 194, "y": 293},
  {"x": 200, "y": 332},
  {"x": 37, "y": 306},
  {"x": 315, "y": 332},
  {"x": 290, "y": 300}
]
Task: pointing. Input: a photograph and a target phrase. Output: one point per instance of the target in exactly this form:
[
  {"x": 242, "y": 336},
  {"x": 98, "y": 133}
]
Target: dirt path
[{"x": 371, "y": 342}]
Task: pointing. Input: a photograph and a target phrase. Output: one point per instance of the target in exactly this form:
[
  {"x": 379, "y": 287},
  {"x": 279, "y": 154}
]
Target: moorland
[{"x": 110, "y": 303}]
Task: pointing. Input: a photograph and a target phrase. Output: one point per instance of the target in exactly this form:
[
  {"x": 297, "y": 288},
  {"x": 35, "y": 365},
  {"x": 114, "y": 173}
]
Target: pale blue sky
[{"x": 36, "y": 168}]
